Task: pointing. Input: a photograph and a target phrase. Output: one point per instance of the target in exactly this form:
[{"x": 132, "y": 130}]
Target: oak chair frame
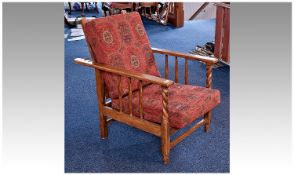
[{"x": 162, "y": 130}]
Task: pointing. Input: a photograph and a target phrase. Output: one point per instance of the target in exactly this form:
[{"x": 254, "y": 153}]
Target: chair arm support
[
  {"x": 140, "y": 76},
  {"x": 209, "y": 60}
]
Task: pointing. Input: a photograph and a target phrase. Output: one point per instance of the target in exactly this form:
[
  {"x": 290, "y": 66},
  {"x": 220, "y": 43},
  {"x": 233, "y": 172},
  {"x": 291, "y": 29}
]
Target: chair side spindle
[
  {"x": 119, "y": 93},
  {"x": 208, "y": 75},
  {"x": 166, "y": 66},
  {"x": 130, "y": 96},
  {"x": 186, "y": 72},
  {"x": 141, "y": 98},
  {"x": 176, "y": 70}
]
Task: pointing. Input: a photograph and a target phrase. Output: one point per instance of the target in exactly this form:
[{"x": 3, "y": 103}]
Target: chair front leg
[
  {"x": 101, "y": 100},
  {"x": 165, "y": 134},
  {"x": 103, "y": 126},
  {"x": 207, "y": 118}
]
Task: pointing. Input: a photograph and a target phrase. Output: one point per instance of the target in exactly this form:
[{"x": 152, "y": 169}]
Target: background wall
[{"x": 191, "y": 7}]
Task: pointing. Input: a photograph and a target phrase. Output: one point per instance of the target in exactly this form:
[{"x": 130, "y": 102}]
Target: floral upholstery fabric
[
  {"x": 185, "y": 103},
  {"x": 120, "y": 41}
]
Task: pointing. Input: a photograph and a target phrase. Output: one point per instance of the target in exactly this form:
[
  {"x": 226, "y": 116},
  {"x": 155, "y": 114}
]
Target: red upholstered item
[
  {"x": 185, "y": 103},
  {"x": 120, "y": 41}
]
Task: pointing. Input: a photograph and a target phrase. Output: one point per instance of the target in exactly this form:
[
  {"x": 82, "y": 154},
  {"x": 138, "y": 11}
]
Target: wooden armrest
[
  {"x": 205, "y": 59},
  {"x": 126, "y": 73}
]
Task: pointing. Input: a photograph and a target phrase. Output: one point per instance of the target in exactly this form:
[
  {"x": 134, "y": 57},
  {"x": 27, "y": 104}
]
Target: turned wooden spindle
[
  {"x": 119, "y": 93},
  {"x": 165, "y": 133},
  {"x": 186, "y": 72},
  {"x": 141, "y": 98},
  {"x": 207, "y": 116},
  {"x": 130, "y": 96},
  {"x": 166, "y": 66},
  {"x": 208, "y": 75},
  {"x": 176, "y": 70}
]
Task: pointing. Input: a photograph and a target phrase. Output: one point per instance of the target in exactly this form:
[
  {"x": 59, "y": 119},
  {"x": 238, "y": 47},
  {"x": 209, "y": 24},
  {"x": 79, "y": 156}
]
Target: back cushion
[{"x": 120, "y": 41}]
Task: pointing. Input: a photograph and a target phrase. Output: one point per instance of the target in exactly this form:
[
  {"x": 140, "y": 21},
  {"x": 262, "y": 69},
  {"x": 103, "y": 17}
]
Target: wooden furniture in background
[
  {"x": 222, "y": 32},
  {"x": 169, "y": 12},
  {"x": 112, "y": 6},
  {"x": 162, "y": 129},
  {"x": 176, "y": 14},
  {"x": 149, "y": 5}
]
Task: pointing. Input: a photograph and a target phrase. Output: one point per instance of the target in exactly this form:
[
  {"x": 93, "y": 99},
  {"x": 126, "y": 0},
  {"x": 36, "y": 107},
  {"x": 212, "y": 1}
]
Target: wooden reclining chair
[{"x": 126, "y": 73}]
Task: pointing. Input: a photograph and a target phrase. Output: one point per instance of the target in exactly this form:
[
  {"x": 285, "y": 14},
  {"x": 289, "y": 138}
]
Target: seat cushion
[
  {"x": 185, "y": 103},
  {"x": 120, "y": 41}
]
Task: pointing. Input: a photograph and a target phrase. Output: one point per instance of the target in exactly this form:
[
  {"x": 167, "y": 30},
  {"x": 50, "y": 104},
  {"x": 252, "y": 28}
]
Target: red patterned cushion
[
  {"x": 120, "y": 41},
  {"x": 185, "y": 103}
]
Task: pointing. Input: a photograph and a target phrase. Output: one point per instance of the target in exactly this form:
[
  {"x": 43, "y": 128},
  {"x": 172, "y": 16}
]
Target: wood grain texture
[
  {"x": 208, "y": 75},
  {"x": 130, "y": 96},
  {"x": 100, "y": 99},
  {"x": 135, "y": 122},
  {"x": 106, "y": 94},
  {"x": 165, "y": 137},
  {"x": 205, "y": 59},
  {"x": 119, "y": 93},
  {"x": 126, "y": 73},
  {"x": 226, "y": 37},
  {"x": 141, "y": 99},
  {"x": 186, "y": 72},
  {"x": 218, "y": 32},
  {"x": 176, "y": 70},
  {"x": 222, "y": 32},
  {"x": 187, "y": 133},
  {"x": 176, "y": 14},
  {"x": 166, "y": 66},
  {"x": 207, "y": 118}
]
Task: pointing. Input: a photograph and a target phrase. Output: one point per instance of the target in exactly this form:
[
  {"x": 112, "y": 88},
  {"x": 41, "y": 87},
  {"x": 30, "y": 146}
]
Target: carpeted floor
[{"x": 128, "y": 149}]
